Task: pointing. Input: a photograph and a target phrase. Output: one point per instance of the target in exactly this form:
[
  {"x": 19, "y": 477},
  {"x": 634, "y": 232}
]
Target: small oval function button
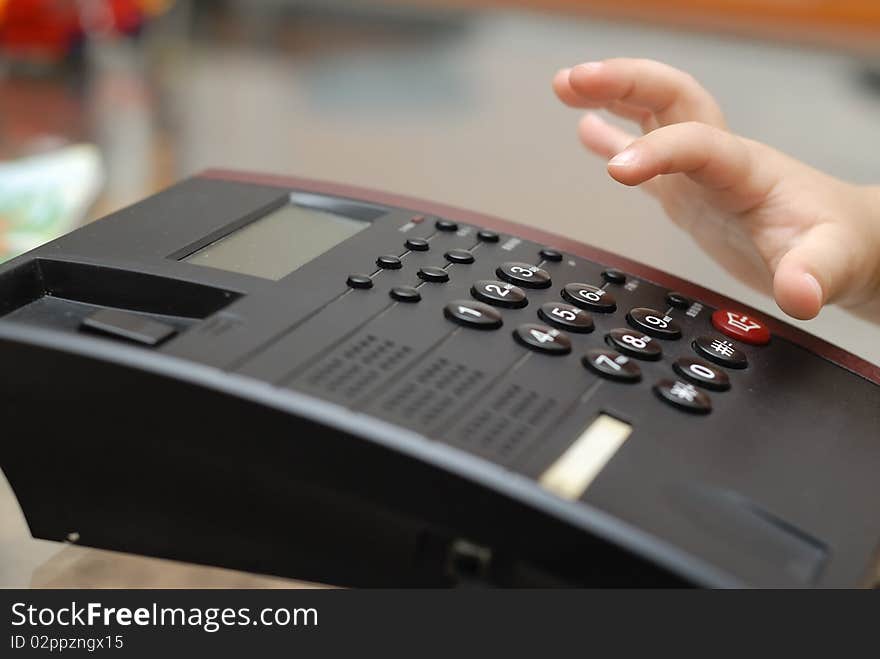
[
  {"x": 429, "y": 273},
  {"x": 487, "y": 236},
  {"x": 405, "y": 294},
  {"x": 654, "y": 322},
  {"x": 634, "y": 344},
  {"x": 417, "y": 244},
  {"x": 677, "y": 300},
  {"x": 589, "y": 297},
  {"x": 459, "y": 256},
  {"x": 543, "y": 339},
  {"x": 614, "y": 276},
  {"x": 389, "y": 262},
  {"x": 472, "y": 314},
  {"x": 524, "y": 274},
  {"x": 612, "y": 365},
  {"x": 721, "y": 351},
  {"x": 566, "y": 316},
  {"x": 684, "y": 396},
  {"x": 551, "y": 255},
  {"x": 499, "y": 294},
  {"x": 739, "y": 326},
  {"x": 702, "y": 373},
  {"x": 360, "y": 281},
  {"x": 446, "y": 225}
]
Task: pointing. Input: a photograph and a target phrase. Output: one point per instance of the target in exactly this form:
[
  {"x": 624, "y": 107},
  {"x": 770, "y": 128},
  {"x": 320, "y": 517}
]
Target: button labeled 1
[
  {"x": 543, "y": 339},
  {"x": 472, "y": 314}
]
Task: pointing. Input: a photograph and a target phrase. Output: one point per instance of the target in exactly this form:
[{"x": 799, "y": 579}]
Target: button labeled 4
[{"x": 543, "y": 339}]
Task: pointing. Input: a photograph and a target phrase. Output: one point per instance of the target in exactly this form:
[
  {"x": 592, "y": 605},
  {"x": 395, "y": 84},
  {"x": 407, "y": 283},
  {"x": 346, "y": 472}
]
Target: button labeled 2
[
  {"x": 499, "y": 293},
  {"x": 543, "y": 339},
  {"x": 472, "y": 314}
]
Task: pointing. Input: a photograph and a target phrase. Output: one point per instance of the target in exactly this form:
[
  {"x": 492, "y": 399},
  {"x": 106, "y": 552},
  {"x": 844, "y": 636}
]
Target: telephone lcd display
[{"x": 278, "y": 243}]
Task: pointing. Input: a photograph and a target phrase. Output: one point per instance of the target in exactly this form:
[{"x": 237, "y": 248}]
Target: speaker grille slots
[
  {"x": 355, "y": 367},
  {"x": 512, "y": 417},
  {"x": 434, "y": 390}
]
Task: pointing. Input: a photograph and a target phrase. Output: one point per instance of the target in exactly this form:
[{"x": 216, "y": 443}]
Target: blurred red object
[{"x": 51, "y": 29}]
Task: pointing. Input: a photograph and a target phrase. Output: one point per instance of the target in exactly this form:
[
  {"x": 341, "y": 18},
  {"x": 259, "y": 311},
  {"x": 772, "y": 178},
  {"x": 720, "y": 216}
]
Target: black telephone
[{"x": 310, "y": 380}]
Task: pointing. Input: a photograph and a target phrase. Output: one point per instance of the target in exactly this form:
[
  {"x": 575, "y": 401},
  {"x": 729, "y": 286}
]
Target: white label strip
[{"x": 572, "y": 473}]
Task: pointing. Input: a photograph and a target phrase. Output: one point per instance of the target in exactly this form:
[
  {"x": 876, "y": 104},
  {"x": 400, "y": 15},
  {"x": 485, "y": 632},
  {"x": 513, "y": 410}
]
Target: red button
[{"x": 741, "y": 327}]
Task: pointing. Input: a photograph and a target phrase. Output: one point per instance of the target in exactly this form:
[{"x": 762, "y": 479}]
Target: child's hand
[{"x": 772, "y": 221}]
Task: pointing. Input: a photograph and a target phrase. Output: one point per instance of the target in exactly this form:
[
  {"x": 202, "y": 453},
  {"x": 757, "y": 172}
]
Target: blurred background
[{"x": 103, "y": 102}]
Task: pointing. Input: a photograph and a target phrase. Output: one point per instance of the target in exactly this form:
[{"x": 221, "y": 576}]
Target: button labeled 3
[{"x": 524, "y": 274}]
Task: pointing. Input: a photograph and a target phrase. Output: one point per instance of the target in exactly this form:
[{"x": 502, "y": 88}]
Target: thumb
[{"x": 821, "y": 268}]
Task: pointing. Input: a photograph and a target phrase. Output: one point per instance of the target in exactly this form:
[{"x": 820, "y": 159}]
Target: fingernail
[
  {"x": 623, "y": 159},
  {"x": 813, "y": 283},
  {"x": 590, "y": 66}
]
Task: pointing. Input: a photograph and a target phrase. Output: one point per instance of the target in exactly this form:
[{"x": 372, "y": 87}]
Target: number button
[
  {"x": 473, "y": 314},
  {"x": 684, "y": 396},
  {"x": 524, "y": 274},
  {"x": 589, "y": 297},
  {"x": 566, "y": 316},
  {"x": 703, "y": 373},
  {"x": 654, "y": 322},
  {"x": 634, "y": 344},
  {"x": 721, "y": 351},
  {"x": 543, "y": 339},
  {"x": 499, "y": 293},
  {"x": 612, "y": 365}
]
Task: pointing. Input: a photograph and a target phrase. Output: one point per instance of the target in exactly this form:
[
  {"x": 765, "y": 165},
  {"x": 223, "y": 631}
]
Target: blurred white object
[{"x": 45, "y": 196}]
